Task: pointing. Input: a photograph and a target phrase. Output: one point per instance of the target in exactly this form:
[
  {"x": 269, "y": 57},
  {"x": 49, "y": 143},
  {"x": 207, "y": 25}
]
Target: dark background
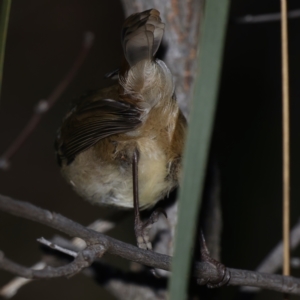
[{"x": 44, "y": 38}]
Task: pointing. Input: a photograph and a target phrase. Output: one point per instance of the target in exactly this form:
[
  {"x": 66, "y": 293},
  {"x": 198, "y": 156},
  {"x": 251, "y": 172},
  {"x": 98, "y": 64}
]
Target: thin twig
[
  {"x": 122, "y": 285},
  {"x": 4, "y": 17},
  {"x": 274, "y": 260},
  {"x": 102, "y": 243},
  {"x": 53, "y": 246},
  {"x": 293, "y": 14},
  {"x": 44, "y": 105},
  {"x": 285, "y": 139},
  {"x": 84, "y": 259},
  {"x": 12, "y": 287}
]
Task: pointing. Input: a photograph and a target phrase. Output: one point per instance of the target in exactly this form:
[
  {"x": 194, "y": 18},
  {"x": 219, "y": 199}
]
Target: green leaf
[{"x": 198, "y": 142}]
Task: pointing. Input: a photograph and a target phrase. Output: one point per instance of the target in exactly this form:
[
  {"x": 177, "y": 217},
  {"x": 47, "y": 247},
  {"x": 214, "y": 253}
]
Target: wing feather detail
[{"x": 90, "y": 122}]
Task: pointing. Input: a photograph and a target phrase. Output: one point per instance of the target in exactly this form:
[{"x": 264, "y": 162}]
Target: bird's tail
[
  {"x": 141, "y": 36},
  {"x": 144, "y": 80}
]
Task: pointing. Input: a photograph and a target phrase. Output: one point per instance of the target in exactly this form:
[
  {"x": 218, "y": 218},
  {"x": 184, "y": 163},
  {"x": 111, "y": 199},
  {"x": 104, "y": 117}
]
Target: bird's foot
[
  {"x": 223, "y": 274},
  {"x": 142, "y": 228}
]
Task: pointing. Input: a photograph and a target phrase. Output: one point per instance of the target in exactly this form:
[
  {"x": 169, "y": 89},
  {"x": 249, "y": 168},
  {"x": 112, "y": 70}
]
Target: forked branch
[{"x": 98, "y": 244}]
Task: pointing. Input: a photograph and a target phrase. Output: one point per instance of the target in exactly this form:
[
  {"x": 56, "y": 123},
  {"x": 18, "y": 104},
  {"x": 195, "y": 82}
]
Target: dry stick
[
  {"x": 83, "y": 260},
  {"x": 98, "y": 243},
  {"x": 273, "y": 261},
  {"x": 122, "y": 285},
  {"x": 53, "y": 246},
  {"x": 44, "y": 105},
  {"x": 11, "y": 288},
  {"x": 293, "y": 14},
  {"x": 286, "y": 140}
]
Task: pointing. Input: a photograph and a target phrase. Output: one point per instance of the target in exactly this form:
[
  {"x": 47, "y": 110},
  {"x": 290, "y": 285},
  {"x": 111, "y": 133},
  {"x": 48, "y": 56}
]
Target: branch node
[
  {"x": 49, "y": 215},
  {"x": 42, "y": 106},
  {"x": 4, "y": 164},
  {"x": 88, "y": 39},
  {"x": 95, "y": 251}
]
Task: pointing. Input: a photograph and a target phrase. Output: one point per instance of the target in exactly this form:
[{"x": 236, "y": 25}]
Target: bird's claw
[
  {"x": 142, "y": 229},
  {"x": 223, "y": 274}
]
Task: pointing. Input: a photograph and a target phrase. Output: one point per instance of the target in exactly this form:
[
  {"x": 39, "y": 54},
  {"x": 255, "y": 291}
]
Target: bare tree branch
[
  {"x": 53, "y": 246},
  {"x": 123, "y": 285},
  {"x": 84, "y": 259},
  {"x": 293, "y": 14},
  {"x": 98, "y": 243},
  {"x": 273, "y": 262},
  {"x": 12, "y": 287},
  {"x": 295, "y": 262},
  {"x": 44, "y": 105}
]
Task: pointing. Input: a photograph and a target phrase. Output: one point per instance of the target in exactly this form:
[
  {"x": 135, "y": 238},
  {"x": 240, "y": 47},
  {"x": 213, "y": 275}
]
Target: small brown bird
[{"x": 122, "y": 145}]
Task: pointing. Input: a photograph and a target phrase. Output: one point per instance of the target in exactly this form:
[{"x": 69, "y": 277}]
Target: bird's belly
[{"x": 111, "y": 183}]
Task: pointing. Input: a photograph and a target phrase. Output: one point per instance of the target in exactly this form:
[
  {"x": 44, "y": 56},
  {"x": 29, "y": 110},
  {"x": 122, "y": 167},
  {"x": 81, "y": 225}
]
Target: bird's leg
[
  {"x": 142, "y": 228},
  {"x": 154, "y": 217},
  {"x": 224, "y": 275},
  {"x": 142, "y": 237}
]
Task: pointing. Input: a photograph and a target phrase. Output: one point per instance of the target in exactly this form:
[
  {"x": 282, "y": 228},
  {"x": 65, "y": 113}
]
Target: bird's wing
[{"x": 90, "y": 122}]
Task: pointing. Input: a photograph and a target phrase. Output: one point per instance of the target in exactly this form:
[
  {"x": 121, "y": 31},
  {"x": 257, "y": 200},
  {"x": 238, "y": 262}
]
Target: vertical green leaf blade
[
  {"x": 4, "y": 17},
  {"x": 198, "y": 141}
]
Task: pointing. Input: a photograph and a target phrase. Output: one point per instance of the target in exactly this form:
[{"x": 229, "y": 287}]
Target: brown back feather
[
  {"x": 97, "y": 117},
  {"x": 90, "y": 122}
]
